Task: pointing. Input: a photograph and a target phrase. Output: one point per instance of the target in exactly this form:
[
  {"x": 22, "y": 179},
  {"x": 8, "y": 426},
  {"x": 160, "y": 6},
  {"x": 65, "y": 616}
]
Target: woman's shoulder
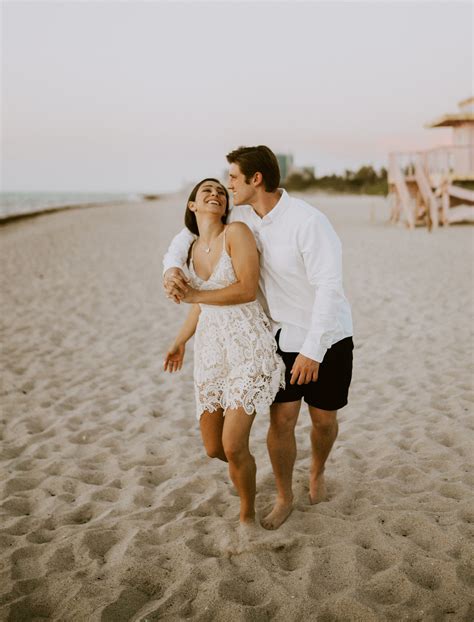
[
  {"x": 238, "y": 228},
  {"x": 239, "y": 236}
]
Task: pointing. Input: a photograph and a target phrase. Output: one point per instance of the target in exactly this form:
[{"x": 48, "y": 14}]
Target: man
[{"x": 301, "y": 290}]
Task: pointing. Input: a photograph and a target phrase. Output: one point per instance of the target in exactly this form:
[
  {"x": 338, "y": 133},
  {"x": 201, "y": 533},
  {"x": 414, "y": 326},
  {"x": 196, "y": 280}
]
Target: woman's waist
[{"x": 248, "y": 306}]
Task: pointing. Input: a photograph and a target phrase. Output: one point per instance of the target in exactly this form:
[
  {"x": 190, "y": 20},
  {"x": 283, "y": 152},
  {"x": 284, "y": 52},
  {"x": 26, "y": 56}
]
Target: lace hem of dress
[{"x": 256, "y": 401}]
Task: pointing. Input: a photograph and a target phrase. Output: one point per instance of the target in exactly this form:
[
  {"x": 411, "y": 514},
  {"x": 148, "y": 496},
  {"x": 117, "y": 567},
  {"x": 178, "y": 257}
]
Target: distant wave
[{"x": 24, "y": 203}]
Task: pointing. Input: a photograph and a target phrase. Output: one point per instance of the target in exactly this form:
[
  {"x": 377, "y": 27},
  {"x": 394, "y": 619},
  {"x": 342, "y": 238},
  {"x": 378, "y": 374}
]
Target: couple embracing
[{"x": 271, "y": 322}]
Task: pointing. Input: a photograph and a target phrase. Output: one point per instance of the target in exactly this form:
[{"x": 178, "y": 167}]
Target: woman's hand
[{"x": 174, "y": 358}]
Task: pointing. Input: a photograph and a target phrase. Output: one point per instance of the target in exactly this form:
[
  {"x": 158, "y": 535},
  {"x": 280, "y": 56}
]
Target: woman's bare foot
[
  {"x": 317, "y": 489},
  {"x": 278, "y": 515}
]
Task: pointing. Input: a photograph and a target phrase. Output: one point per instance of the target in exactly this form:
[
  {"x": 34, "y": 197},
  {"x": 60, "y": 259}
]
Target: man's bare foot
[
  {"x": 278, "y": 515},
  {"x": 317, "y": 489},
  {"x": 247, "y": 522}
]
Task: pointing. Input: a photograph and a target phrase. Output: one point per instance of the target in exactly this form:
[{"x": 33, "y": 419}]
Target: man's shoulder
[{"x": 303, "y": 210}]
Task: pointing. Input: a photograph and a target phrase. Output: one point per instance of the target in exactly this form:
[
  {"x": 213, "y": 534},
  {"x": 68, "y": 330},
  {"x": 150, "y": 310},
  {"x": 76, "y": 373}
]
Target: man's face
[{"x": 242, "y": 192}]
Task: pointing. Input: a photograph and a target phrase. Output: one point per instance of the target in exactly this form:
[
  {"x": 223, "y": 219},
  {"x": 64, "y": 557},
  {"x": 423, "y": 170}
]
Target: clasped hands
[{"x": 177, "y": 287}]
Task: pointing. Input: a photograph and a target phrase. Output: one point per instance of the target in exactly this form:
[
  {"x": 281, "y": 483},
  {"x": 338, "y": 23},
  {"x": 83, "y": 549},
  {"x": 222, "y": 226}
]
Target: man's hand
[
  {"x": 304, "y": 370},
  {"x": 175, "y": 284}
]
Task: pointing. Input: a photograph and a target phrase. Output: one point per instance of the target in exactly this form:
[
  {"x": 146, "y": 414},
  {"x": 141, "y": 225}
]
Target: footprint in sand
[
  {"x": 19, "y": 484},
  {"x": 10, "y": 453},
  {"x": 99, "y": 542},
  {"x": 107, "y": 495},
  {"x": 453, "y": 491},
  {"x": 387, "y": 588},
  {"x": 423, "y": 572},
  {"x": 31, "y": 607},
  {"x": 18, "y": 506},
  {"x": 62, "y": 559},
  {"x": 80, "y": 516},
  {"x": 94, "y": 478},
  {"x": 84, "y": 437},
  {"x": 374, "y": 561},
  {"x": 244, "y": 588},
  {"x": 40, "y": 536},
  {"x": 25, "y": 562}
]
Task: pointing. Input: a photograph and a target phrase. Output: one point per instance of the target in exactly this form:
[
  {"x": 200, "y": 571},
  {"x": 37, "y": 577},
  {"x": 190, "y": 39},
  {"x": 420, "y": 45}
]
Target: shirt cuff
[
  {"x": 314, "y": 352},
  {"x": 167, "y": 267}
]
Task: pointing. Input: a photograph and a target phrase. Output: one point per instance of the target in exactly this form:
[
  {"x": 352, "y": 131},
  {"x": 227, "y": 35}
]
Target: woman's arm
[
  {"x": 244, "y": 254},
  {"x": 175, "y": 354}
]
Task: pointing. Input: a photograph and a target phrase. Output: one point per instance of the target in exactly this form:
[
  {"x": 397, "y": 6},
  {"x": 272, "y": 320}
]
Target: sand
[{"x": 110, "y": 510}]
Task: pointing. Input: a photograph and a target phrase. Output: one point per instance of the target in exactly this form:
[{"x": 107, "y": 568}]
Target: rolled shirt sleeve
[{"x": 177, "y": 253}]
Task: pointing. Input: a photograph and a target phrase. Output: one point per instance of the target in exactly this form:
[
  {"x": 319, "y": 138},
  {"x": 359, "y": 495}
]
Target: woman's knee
[
  {"x": 214, "y": 450},
  {"x": 235, "y": 452}
]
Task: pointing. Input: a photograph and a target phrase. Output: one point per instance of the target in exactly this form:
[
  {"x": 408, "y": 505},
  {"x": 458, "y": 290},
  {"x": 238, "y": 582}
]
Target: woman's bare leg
[
  {"x": 212, "y": 424},
  {"x": 242, "y": 468}
]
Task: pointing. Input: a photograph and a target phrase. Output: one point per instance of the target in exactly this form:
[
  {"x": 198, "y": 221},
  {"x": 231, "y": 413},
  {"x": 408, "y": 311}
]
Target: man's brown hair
[{"x": 258, "y": 159}]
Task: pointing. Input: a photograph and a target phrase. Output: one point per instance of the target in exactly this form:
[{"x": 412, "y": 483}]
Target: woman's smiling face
[{"x": 211, "y": 197}]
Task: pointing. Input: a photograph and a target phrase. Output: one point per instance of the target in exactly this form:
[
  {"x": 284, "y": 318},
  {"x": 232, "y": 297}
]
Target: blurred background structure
[{"x": 436, "y": 186}]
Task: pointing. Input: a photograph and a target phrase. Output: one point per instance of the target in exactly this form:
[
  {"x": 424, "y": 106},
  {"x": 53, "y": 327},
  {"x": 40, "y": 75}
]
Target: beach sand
[{"x": 110, "y": 509}]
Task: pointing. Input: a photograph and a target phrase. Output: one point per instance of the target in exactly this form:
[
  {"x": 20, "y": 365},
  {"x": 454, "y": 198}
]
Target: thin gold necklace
[{"x": 207, "y": 249}]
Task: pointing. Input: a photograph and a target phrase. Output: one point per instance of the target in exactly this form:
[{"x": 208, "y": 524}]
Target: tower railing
[{"x": 440, "y": 163}]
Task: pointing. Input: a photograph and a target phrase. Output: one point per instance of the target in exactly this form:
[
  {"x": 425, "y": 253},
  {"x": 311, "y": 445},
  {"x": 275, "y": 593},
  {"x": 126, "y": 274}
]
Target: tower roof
[
  {"x": 465, "y": 115},
  {"x": 451, "y": 120}
]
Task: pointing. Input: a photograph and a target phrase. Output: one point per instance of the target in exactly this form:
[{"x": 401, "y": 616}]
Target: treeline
[{"x": 364, "y": 181}]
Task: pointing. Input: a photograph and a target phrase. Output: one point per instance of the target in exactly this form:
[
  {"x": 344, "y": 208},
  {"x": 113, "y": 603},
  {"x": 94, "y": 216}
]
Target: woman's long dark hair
[{"x": 190, "y": 217}]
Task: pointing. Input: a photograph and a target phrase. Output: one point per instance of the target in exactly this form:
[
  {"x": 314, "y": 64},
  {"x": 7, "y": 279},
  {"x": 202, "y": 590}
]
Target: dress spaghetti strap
[
  {"x": 190, "y": 260},
  {"x": 224, "y": 250}
]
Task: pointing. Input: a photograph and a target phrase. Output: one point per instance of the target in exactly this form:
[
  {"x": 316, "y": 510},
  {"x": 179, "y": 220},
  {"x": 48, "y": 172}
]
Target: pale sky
[{"x": 142, "y": 96}]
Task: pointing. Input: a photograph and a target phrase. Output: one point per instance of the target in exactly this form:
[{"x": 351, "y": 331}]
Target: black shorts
[{"x": 331, "y": 389}]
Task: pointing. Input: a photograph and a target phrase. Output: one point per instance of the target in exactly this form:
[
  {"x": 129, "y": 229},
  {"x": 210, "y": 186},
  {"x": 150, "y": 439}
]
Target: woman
[{"x": 237, "y": 371}]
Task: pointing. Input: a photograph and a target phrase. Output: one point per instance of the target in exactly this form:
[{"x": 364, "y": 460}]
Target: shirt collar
[{"x": 279, "y": 208}]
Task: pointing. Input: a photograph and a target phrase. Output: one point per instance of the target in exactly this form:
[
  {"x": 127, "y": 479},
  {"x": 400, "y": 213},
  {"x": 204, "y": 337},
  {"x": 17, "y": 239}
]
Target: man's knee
[
  {"x": 283, "y": 416},
  {"x": 323, "y": 420}
]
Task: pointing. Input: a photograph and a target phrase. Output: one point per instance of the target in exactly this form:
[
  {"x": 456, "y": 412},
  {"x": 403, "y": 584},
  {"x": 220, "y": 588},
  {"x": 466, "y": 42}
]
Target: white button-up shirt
[{"x": 300, "y": 274}]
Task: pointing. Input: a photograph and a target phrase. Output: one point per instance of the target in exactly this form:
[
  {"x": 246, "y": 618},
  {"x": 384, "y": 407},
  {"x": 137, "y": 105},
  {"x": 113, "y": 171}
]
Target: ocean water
[{"x": 15, "y": 203}]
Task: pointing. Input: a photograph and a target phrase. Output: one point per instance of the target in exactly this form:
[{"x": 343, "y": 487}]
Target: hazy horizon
[{"x": 145, "y": 96}]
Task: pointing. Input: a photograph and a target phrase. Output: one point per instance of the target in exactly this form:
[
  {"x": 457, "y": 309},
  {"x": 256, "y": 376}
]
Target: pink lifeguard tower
[{"x": 436, "y": 186}]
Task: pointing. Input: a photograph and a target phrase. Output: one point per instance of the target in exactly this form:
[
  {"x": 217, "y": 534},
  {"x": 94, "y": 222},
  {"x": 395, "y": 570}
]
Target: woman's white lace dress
[{"x": 235, "y": 354}]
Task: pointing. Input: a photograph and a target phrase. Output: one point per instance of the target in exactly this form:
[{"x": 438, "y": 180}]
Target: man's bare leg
[
  {"x": 282, "y": 449},
  {"x": 323, "y": 434}
]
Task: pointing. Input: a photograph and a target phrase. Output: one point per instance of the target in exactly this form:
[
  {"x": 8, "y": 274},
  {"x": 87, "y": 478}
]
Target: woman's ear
[{"x": 191, "y": 206}]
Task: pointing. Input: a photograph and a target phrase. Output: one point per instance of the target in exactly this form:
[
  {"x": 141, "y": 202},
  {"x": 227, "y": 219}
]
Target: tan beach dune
[{"x": 110, "y": 510}]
